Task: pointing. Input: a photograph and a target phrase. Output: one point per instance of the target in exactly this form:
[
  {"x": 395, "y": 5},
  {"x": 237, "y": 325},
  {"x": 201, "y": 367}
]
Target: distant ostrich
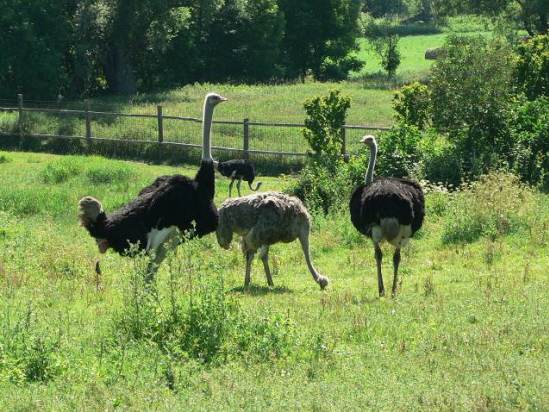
[
  {"x": 238, "y": 169},
  {"x": 387, "y": 209},
  {"x": 263, "y": 219},
  {"x": 171, "y": 204}
]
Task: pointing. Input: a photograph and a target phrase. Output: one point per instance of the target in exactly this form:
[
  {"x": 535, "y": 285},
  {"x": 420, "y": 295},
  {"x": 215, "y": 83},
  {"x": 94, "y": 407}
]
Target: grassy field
[{"x": 467, "y": 332}]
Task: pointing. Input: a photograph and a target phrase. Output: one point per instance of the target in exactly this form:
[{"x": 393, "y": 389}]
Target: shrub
[
  {"x": 532, "y": 67},
  {"x": 60, "y": 170},
  {"x": 399, "y": 151},
  {"x": 323, "y": 187},
  {"x": 5, "y": 159},
  {"x": 412, "y": 105},
  {"x": 338, "y": 70},
  {"x": 530, "y": 132},
  {"x": 471, "y": 95},
  {"x": 325, "y": 117},
  {"x": 495, "y": 205},
  {"x": 105, "y": 172}
]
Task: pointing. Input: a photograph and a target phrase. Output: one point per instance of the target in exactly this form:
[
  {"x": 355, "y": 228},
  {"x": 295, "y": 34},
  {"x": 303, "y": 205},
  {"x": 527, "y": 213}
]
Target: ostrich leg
[
  {"x": 379, "y": 256},
  {"x": 238, "y": 186},
  {"x": 396, "y": 261},
  {"x": 249, "y": 254},
  {"x": 321, "y": 280},
  {"x": 264, "y": 256},
  {"x": 231, "y": 186},
  {"x": 170, "y": 242}
]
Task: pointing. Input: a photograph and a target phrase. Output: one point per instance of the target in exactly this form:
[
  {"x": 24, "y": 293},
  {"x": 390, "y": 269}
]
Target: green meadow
[{"x": 467, "y": 332}]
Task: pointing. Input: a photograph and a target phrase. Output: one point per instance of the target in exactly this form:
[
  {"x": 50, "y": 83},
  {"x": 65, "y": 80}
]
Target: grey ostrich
[
  {"x": 170, "y": 205},
  {"x": 263, "y": 219},
  {"x": 388, "y": 209}
]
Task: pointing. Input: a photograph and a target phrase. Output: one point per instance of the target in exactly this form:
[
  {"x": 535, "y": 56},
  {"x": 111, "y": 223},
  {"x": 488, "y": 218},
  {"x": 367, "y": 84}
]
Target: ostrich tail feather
[{"x": 390, "y": 228}]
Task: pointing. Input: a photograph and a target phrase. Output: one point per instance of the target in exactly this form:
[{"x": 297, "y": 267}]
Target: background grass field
[{"x": 467, "y": 332}]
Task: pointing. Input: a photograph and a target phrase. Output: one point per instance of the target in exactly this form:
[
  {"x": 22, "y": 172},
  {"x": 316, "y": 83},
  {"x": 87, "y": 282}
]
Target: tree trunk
[{"x": 119, "y": 72}]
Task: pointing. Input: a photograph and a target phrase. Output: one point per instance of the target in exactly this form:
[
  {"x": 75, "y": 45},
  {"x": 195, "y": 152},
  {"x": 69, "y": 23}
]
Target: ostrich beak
[
  {"x": 103, "y": 245},
  {"x": 222, "y": 99}
]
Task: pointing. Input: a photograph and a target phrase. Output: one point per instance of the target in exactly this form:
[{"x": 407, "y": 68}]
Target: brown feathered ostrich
[
  {"x": 388, "y": 209},
  {"x": 169, "y": 206},
  {"x": 263, "y": 219}
]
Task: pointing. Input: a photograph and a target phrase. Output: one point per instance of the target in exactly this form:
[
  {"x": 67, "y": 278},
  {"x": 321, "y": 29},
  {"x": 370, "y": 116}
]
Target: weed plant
[{"x": 496, "y": 205}]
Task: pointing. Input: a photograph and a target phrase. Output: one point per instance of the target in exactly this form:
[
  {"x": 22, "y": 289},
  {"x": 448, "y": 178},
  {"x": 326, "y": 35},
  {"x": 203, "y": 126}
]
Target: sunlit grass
[{"x": 467, "y": 332}]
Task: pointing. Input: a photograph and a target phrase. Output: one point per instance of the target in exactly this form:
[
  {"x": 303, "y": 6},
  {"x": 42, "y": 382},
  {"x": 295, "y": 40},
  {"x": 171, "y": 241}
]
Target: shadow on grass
[{"x": 260, "y": 290}]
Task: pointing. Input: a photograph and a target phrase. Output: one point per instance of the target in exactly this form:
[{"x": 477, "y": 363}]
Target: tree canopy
[{"x": 82, "y": 47}]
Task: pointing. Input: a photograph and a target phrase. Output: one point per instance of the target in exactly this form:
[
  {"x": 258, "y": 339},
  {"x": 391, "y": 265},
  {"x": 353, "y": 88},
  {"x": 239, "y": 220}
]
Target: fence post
[
  {"x": 160, "y": 124},
  {"x": 344, "y": 144},
  {"x": 20, "y": 105},
  {"x": 88, "y": 121},
  {"x": 246, "y": 138}
]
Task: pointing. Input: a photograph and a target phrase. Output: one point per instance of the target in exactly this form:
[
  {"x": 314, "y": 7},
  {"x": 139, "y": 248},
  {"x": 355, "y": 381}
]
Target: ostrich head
[
  {"x": 368, "y": 140},
  {"x": 90, "y": 210},
  {"x": 213, "y": 99}
]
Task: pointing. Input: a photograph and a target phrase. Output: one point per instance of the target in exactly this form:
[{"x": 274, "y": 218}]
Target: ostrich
[
  {"x": 238, "y": 169},
  {"x": 263, "y": 219},
  {"x": 387, "y": 209},
  {"x": 171, "y": 204}
]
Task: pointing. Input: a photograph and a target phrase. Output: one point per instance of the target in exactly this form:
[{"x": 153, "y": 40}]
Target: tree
[
  {"x": 33, "y": 47},
  {"x": 531, "y": 15},
  {"x": 244, "y": 42},
  {"x": 317, "y": 31},
  {"x": 384, "y": 44},
  {"x": 383, "y": 8},
  {"x": 472, "y": 95},
  {"x": 325, "y": 117}
]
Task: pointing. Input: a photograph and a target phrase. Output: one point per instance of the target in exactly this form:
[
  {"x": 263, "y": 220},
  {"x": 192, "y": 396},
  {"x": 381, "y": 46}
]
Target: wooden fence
[{"x": 245, "y": 125}]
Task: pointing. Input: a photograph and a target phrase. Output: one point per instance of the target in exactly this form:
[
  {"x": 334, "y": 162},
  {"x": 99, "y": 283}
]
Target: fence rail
[{"x": 98, "y": 120}]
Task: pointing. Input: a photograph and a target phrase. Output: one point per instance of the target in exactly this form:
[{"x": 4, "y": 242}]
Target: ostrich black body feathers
[
  {"x": 238, "y": 169},
  {"x": 387, "y": 198},
  {"x": 171, "y": 200}
]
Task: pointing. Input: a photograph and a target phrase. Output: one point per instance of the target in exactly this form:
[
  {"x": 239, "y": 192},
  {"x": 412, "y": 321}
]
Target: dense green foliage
[
  {"x": 121, "y": 46},
  {"x": 325, "y": 117},
  {"x": 412, "y": 104},
  {"x": 532, "y": 67},
  {"x": 476, "y": 104}
]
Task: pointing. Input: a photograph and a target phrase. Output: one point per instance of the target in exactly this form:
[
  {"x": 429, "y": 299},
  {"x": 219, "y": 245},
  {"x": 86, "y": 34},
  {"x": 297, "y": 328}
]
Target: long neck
[
  {"x": 371, "y": 164},
  {"x": 207, "y": 114}
]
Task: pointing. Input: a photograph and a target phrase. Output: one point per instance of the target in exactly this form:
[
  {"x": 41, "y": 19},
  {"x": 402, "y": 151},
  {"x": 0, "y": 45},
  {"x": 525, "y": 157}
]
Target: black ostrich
[
  {"x": 388, "y": 209},
  {"x": 170, "y": 205},
  {"x": 238, "y": 169}
]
